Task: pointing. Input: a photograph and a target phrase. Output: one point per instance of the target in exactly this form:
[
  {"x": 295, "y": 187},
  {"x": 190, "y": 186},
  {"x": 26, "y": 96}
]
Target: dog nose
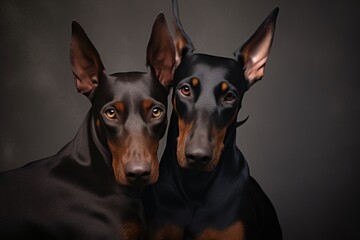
[
  {"x": 137, "y": 172},
  {"x": 198, "y": 155}
]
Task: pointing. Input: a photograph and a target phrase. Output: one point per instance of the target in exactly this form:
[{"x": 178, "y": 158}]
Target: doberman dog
[
  {"x": 205, "y": 190},
  {"x": 91, "y": 188}
]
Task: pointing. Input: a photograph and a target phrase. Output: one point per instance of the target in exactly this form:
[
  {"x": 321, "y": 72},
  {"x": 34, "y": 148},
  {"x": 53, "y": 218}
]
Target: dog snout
[
  {"x": 138, "y": 172},
  {"x": 196, "y": 155},
  {"x": 198, "y": 150}
]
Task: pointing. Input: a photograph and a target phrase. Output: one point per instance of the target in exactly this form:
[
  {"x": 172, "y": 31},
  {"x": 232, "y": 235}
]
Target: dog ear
[
  {"x": 85, "y": 61},
  {"x": 183, "y": 43},
  {"x": 254, "y": 53},
  {"x": 160, "y": 52}
]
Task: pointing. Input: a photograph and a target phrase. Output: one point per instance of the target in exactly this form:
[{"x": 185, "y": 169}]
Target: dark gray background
[{"x": 302, "y": 138}]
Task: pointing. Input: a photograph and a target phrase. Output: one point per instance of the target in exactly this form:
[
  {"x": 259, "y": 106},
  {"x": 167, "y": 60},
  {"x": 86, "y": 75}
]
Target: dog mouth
[
  {"x": 208, "y": 167},
  {"x": 134, "y": 180}
]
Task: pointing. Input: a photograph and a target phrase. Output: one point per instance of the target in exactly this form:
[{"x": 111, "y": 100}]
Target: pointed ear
[
  {"x": 254, "y": 53},
  {"x": 160, "y": 52},
  {"x": 183, "y": 43},
  {"x": 85, "y": 61}
]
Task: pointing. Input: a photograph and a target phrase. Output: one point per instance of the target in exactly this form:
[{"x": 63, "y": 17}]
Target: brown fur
[
  {"x": 224, "y": 86},
  {"x": 130, "y": 146},
  {"x": 131, "y": 231},
  {"x": 195, "y": 82},
  {"x": 234, "y": 232},
  {"x": 184, "y": 129},
  {"x": 169, "y": 232}
]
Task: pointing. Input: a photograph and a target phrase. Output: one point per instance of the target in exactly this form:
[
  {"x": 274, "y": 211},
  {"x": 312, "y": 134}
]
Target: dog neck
[{"x": 100, "y": 142}]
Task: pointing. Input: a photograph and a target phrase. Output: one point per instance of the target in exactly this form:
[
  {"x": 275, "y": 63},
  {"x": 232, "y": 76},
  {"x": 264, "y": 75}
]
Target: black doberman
[
  {"x": 90, "y": 188},
  {"x": 205, "y": 190}
]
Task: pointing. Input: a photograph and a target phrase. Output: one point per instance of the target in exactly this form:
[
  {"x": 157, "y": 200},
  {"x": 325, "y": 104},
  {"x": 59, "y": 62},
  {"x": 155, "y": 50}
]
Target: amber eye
[
  {"x": 185, "y": 90},
  {"x": 230, "y": 96},
  {"x": 156, "y": 112},
  {"x": 110, "y": 113}
]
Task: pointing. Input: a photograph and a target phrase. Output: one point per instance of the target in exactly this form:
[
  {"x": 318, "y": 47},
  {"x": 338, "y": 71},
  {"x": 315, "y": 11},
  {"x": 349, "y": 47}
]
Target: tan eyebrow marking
[
  {"x": 195, "y": 82},
  {"x": 146, "y": 104},
  {"x": 224, "y": 86},
  {"x": 120, "y": 106}
]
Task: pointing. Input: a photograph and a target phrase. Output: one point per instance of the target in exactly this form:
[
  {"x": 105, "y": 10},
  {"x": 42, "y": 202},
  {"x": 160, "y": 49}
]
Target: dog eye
[
  {"x": 156, "y": 112},
  {"x": 229, "y": 97},
  {"x": 110, "y": 113},
  {"x": 185, "y": 90}
]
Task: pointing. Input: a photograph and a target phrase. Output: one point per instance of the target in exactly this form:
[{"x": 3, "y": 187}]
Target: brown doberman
[
  {"x": 91, "y": 188},
  {"x": 205, "y": 190}
]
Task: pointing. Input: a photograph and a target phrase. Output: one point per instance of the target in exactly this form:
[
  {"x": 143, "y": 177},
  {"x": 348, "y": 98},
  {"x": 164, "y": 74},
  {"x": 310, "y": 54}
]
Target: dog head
[
  {"x": 208, "y": 91},
  {"x": 129, "y": 108}
]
